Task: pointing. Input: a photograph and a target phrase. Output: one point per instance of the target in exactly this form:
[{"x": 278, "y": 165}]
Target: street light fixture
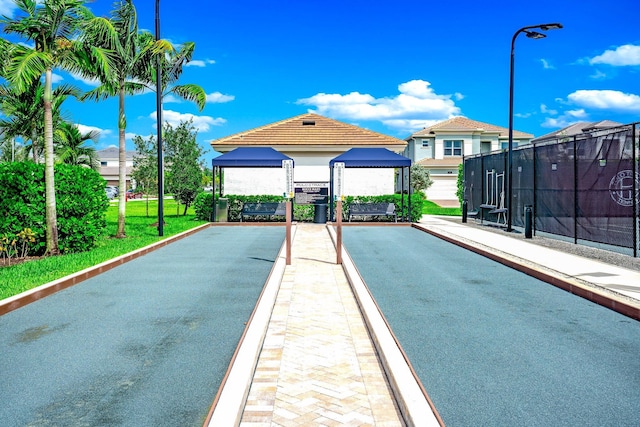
[
  {"x": 532, "y": 35},
  {"x": 159, "y": 130}
]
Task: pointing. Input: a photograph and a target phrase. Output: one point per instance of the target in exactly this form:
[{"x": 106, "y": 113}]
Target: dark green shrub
[
  {"x": 305, "y": 213},
  {"x": 417, "y": 199},
  {"x": 203, "y": 206},
  {"x": 81, "y": 203}
]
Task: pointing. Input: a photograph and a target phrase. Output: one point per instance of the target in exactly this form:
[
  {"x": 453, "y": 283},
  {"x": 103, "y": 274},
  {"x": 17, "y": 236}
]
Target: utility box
[{"x": 222, "y": 210}]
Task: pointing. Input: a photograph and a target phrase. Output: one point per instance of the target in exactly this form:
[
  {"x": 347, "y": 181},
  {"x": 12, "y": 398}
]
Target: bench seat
[
  {"x": 372, "y": 209},
  {"x": 263, "y": 209}
]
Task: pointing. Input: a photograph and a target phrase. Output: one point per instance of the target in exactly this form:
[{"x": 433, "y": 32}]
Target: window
[
  {"x": 103, "y": 163},
  {"x": 453, "y": 148},
  {"x": 425, "y": 142}
]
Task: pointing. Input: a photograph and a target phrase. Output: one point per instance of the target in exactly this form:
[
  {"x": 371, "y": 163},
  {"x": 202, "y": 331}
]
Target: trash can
[
  {"x": 222, "y": 210},
  {"x": 320, "y": 213},
  {"x": 528, "y": 221}
]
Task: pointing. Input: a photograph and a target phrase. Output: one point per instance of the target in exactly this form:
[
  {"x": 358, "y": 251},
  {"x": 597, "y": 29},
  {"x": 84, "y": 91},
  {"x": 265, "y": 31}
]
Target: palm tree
[
  {"x": 172, "y": 65},
  {"x": 70, "y": 146},
  {"x": 133, "y": 57},
  {"x": 24, "y": 112},
  {"x": 53, "y": 26}
]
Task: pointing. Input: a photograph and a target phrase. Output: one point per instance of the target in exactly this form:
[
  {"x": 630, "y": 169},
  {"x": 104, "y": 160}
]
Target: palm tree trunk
[
  {"x": 49, "y": 176},
  {"x": 122, "y": 165}
]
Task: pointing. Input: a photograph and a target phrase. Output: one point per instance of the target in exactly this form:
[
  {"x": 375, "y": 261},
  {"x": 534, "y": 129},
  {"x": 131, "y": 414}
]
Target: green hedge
[
  {"x": 304, "y": 213},
  {"x": 81, "y": 204}
]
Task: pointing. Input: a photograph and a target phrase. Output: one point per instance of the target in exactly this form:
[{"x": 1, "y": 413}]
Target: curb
[{"x": 416, "y": 407}]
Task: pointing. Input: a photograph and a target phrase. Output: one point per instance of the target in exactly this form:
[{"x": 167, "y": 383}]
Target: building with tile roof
[
  {"x": 311, "y": 140},
  {"x": 109, "y": 165},
  {"x": 441, "y": 148},
  {"x": 577, "y": 129}
]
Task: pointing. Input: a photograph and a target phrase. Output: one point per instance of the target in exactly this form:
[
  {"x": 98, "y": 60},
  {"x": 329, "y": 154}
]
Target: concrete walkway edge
[
  {"x": 229, "y": 403},
  {"x": 411, "y": 398}
]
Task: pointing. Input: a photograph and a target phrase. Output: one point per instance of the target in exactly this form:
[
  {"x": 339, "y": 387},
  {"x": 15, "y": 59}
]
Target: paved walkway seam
[{"x": 414, "y": 404}]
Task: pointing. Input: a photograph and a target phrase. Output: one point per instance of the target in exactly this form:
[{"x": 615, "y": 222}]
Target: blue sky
[{"x": 389, "y": 66}]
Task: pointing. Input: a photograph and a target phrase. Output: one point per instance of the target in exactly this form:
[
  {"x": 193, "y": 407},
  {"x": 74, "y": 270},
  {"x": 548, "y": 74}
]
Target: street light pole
[
  {"x": 159, "y": 130},
  {"x": 532, "y": 35}
]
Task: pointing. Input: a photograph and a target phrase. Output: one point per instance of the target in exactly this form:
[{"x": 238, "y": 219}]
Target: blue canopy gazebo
[
  {"x": 246, "y": 157},
  {"x": 370, "y": 158}
]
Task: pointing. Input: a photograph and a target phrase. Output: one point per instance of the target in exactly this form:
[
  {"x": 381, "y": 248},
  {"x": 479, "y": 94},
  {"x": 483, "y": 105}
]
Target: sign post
[
  {"x": 339, "y": 179},
  {"x": 287, "y": 165}
]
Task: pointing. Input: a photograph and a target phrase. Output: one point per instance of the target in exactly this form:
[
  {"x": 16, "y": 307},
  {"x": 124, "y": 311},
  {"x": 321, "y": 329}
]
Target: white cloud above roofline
[
  {"x": 416, "y": 106},
  {"x": 606, "y": 99},
  {"x": 201, "y": 123}
]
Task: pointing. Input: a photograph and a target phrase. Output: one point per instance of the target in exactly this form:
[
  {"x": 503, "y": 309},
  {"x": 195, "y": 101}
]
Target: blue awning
[
  {"x": 371, "y": 158},
  {"x": 251, "y": 157}
]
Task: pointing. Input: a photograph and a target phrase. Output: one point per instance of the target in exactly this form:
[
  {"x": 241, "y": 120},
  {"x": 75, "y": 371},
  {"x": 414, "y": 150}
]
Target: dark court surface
[
  {"x": 144, "y": 344},
  {"x": 493, "y": 346}
]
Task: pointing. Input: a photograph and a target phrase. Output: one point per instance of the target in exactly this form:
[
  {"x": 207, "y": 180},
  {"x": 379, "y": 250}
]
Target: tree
[
  {"x": 132, "y": 59},
  {"x": 70, "y": 146},
  {"x": 420, "y": 179},
  {"x": 53, "y": 25},
  {"x": 184, "y": 168},
  {"x": 145, "y": 165},
  {"x": 460, "y": 183},
  {"x": 171, "y": 64},
  {"x": 24, "y": 113}
]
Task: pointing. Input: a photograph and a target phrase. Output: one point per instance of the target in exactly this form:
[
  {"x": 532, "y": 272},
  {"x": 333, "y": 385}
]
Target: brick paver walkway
[{"x": 318, "y": 365}]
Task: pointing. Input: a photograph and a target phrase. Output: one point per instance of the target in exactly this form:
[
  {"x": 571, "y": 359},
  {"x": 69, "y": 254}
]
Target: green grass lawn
[
  {"x": 141, "y": 230},
  {"x": 430, "y": 208}
]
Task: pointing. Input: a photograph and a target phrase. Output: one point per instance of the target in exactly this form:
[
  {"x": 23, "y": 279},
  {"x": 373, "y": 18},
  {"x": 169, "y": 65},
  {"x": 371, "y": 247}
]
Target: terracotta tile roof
[
  {"x": 449, "y": 162},
  {"x": 464, "y": 124},
  {"x": 578, "y": 128},
  {"x": 308, "y": 130}
]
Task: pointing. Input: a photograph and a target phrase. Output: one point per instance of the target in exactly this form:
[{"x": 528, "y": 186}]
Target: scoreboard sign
[{"x": 311, "y": 193}]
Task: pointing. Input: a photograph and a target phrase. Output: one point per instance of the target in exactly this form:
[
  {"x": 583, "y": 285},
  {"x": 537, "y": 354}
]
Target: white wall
[{"x": 308, "y": 168}]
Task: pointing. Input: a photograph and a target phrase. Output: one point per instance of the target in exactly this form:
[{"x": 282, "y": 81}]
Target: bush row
[
  {"x": 203, "y": 206},
  {"x": 81, "y": 204}
]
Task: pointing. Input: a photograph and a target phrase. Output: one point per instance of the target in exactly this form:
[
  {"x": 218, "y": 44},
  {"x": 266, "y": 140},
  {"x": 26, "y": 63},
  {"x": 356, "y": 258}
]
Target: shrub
[
  {"x": 305, "y": 213},
  {"x": 203, "y": 206},
  {"x": 81, "y": 204}
]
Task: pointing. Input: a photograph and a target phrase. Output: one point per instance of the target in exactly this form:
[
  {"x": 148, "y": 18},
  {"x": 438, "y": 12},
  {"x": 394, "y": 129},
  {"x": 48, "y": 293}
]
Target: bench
[
  {"x": 263, "y": 209},
  {"x": 372, "y": 209}
]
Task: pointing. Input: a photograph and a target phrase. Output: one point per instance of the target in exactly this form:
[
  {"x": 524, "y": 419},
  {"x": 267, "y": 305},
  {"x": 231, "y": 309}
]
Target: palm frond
[{"x": 191, "y": 92}]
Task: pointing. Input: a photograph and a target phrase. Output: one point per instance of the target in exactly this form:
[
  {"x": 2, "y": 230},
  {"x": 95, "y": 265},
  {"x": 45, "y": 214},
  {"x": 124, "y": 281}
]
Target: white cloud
[
  {"x": 568, "y": 118},
  {"x": 545, "y": 110},
  {"x": 88, "y": 82},
  {"x": 7, "y": 7},
  {"x": 201, "y": 123},
  {"x": 199, "y": 63},
  {"x": 219, "y": 98},
  {"x": 56, "y": 78},
  {"x": 416, "y": 106},
  {"x": 598, "y": 75},
  {"x": 606, "y": 99},
  {"x": 86, "y": 129},
  {"x": 546, "y": 64},
  {"x": 627, "y": 54}
]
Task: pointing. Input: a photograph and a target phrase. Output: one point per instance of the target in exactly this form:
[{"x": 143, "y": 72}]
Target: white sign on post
[
  {"x": 287, "y": 165},
  {"x": 339, "y": 179}
]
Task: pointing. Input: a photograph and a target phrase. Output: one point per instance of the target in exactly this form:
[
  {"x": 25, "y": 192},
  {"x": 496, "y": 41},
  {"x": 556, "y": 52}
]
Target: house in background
[
  {"x": 577, "y": 129},
  {"x": 440, "y": 148},
  {"x": 312, "y": 141},
  {"x": 109, "y": 165}
]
